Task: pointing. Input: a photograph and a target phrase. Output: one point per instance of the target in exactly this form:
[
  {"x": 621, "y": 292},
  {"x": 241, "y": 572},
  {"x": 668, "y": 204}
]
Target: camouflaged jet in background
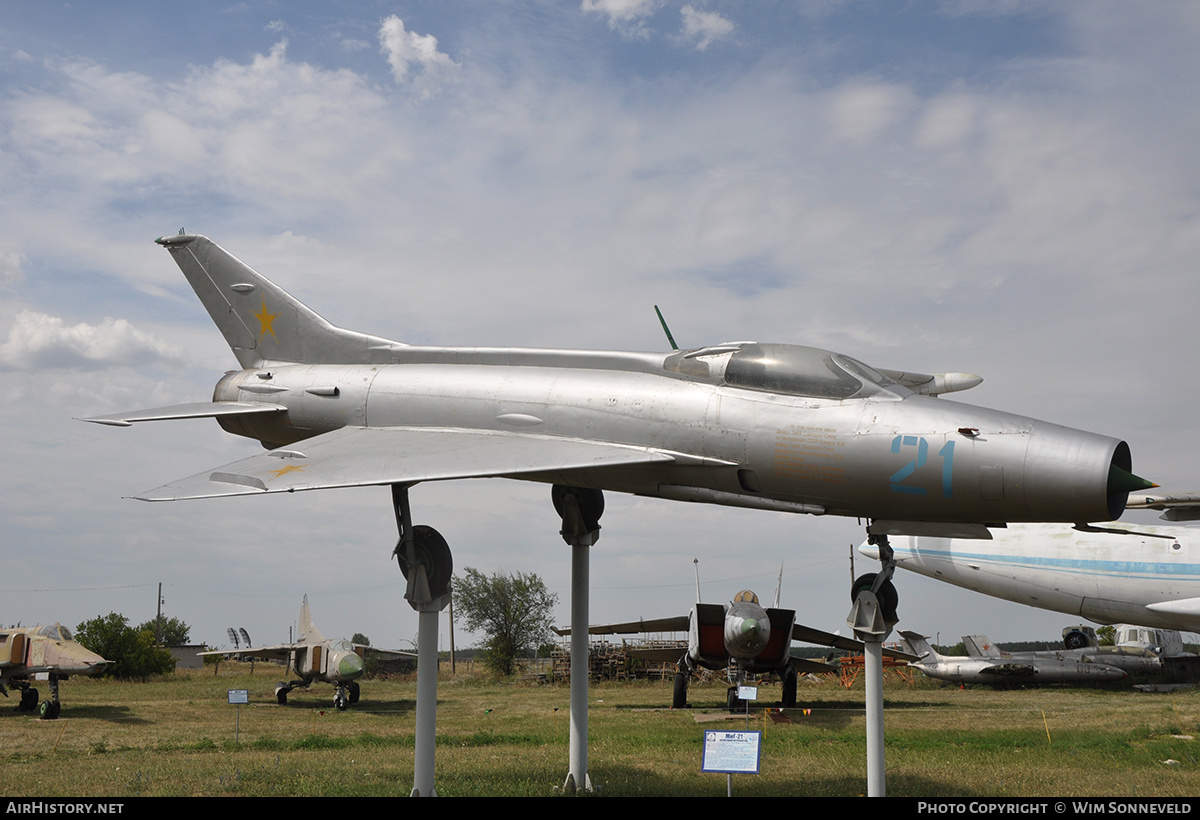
[
  {"x": 49, "y": 653},
  {"x": 316, "y": 658}
]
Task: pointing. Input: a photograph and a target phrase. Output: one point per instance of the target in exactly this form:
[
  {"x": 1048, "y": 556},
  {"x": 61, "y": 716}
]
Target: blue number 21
[{"x": 946, "y": 454}]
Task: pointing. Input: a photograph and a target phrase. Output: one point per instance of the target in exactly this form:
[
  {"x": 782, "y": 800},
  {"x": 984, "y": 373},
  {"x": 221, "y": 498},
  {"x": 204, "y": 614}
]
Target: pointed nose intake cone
[{"x": 1123, "y": 481}]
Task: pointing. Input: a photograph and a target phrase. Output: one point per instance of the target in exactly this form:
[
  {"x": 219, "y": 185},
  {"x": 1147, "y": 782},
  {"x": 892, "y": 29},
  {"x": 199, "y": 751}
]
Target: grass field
[{"x": 176, "y": 737}]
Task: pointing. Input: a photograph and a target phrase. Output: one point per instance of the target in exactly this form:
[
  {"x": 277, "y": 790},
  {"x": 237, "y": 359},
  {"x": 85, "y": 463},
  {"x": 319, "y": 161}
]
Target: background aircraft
[
  {"x": 741, "y": 637},
  {"x": 1002, "y": 671},
  {"x": 1129, "y": 657},
  {"x": 317, "y": 658},
  {"x": 1145, "y": 575},
  {"x": 42, "y": 653}
]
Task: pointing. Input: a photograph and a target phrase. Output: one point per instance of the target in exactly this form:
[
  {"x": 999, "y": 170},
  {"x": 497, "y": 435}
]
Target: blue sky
[{"x": 1009, "y": 189}]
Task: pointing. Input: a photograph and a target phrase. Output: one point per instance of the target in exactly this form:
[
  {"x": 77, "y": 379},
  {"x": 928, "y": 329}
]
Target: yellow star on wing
[
  {"x": 266, "y": 320},
  {"x": 291, "y": 468}
]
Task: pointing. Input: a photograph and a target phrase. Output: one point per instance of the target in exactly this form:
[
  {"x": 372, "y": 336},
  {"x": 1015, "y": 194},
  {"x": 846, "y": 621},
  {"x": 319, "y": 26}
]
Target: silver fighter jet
[
  {"x": 746, "y": 424},
  {"x": 1006, "y": 671}
]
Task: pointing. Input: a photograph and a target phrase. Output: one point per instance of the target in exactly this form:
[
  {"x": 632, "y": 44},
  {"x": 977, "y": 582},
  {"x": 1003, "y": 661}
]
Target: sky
[{"x": 1009, "y": 189}]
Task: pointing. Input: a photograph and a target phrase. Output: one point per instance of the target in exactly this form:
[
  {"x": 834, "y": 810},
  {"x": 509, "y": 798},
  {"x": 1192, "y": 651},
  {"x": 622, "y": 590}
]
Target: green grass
[{"x": 175, "y": 737}]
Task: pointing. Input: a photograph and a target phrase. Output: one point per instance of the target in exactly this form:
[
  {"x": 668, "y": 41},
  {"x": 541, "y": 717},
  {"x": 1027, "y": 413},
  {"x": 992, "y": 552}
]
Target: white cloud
[
  {"x": 625, "y": 16},
  {"x": 10, "y": 265},
  {"x": 406, "y": 49},
  {"x": 862, "y": 111},
  {"x": 37, "y": 340},
  {"x": 704, "y": 27}
]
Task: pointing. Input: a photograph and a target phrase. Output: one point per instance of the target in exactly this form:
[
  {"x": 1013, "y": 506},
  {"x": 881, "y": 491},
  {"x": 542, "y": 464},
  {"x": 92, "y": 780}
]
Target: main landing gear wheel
[
  {"x": 889, "y": 598},
  {"x": 29, "y": 700},
  {"x": 434, "y": 553},
  {"x": 281, "y": 693},
  {"x": 50, "y": 709},
  {"x": 354, "y": 691},
  {"x": 733, "y": 702},
  {"x": 679, "y": 700},
  {"x": 590, "y": 503},
  {"x": 789, "y": 687}
]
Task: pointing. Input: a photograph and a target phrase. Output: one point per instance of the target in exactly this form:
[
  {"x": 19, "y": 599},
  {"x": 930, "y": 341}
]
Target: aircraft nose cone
[
  {"x": 349, "y": 666},
  {"x": 747, "y": 636}
]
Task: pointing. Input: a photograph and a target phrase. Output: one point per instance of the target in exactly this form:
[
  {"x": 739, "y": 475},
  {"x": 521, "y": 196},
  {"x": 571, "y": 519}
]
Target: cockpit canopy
[
  {"x": 788, "y": 369},
  {"x": 55, "y": 632}
]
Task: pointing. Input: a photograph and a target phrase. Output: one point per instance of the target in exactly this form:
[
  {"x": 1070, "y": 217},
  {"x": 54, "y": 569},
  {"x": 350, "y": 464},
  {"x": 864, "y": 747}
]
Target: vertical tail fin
[
  {"x": 260, "y": 321},
  {"x": 308, "y": 633},
  {"x": 916, "y": 644},
  {"x": 978, "y": 646}
]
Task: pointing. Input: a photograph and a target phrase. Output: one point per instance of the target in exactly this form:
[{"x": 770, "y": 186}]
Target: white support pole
[
  {"x": 426, "y": 727},
  {"x": 577, "y": 775},
  {"x": 873, "y": 667}
]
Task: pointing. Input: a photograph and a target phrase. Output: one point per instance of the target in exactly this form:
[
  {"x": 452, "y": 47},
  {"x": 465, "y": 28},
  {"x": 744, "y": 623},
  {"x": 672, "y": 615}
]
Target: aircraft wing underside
[{"x": 362, "y": 456}]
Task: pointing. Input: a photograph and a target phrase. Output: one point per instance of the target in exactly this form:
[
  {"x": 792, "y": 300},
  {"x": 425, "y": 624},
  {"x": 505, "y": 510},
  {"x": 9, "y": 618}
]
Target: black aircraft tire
[
  {"x": 432, "y": 551},
  {"x": 281, "y": 698},
  {"x": 732, "y": 701},
  {"x": 679, "y": 698},
  {"x": 789, "y": 688},
  {"x": 889, "y": 598},
  {"x": 591, "y": 503},
  {"x": 354, "y": 692}
]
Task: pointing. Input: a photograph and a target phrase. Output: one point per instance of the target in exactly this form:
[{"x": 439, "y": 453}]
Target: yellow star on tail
[{"x": 266, "y": 320}]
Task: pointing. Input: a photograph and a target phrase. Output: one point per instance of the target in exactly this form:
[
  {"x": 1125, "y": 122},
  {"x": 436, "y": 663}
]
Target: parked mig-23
[
  {"x": 50, "y": 653},
  {"x": 765, "y": 426},
  {"x": 741, "y": 637},
  {"x": 317, "y": 658}
]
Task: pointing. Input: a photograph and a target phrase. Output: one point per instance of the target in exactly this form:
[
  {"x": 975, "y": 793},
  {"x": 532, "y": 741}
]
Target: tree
[
  {"x": 168, "y": 631},
  {"x": 512, "y": 611},
  {"x": 132, "y": 652},
  {"x": 1107, "y": 635}
]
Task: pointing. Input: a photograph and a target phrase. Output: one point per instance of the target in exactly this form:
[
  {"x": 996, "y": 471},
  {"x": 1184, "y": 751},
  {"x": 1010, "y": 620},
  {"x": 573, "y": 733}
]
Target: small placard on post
[
  {"x": 732, "y": 752},
  {"x": 239, "y": 696}
]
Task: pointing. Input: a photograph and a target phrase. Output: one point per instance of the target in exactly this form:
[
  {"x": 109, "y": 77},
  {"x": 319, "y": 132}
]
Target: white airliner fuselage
[{"x": 1149, "y": 576}]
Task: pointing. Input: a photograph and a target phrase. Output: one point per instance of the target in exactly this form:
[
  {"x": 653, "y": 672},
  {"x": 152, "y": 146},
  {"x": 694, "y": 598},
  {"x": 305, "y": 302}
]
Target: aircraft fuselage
[{"x": 894, "y": 454}]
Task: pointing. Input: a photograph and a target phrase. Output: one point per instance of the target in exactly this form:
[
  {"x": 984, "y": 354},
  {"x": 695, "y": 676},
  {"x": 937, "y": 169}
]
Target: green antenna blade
[{"x": 666, "y": 329}]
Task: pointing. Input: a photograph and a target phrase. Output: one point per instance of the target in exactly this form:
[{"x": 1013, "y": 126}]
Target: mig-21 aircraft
[
  {"x": 317, "y": 658},
  {"x": 765, "y": 426},
  {"x": 50, "y": 653}
]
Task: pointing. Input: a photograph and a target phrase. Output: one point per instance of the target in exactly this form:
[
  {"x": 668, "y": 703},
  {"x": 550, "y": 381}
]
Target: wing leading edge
[{"x": 363, "y": 456}]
